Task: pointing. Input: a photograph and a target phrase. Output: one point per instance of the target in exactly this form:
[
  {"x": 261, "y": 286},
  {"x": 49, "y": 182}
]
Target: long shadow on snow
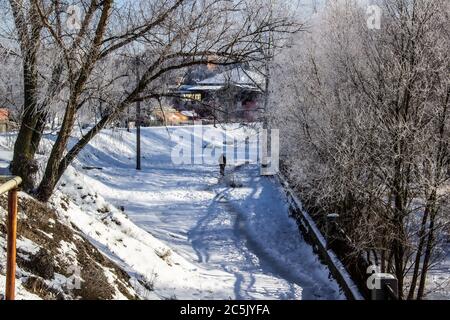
[
  {"x": 269, "y": 262},
  {"x": 202, "y": 237}
]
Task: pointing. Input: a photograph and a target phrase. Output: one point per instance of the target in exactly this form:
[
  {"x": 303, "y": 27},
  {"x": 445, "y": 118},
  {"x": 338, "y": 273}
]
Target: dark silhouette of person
[{"x": 222, "y": 164}]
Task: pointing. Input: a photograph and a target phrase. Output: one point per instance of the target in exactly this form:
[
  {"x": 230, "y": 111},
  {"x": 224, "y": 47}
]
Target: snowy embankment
[
  {"x": 180, "y": 232},
  {"x": 54, "y": 259}
]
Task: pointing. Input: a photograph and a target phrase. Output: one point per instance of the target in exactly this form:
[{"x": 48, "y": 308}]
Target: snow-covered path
[
  {"x": 244, "y": 233},
  {"x": 248, "y": 232}
]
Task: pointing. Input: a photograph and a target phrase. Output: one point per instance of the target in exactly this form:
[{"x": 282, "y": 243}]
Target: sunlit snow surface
[
  {"x": 245, "y": 233},
  {"x": 226, "y": 243}
]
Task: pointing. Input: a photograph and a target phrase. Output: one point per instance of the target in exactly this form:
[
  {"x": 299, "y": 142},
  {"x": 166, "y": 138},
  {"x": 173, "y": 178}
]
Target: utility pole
[
  {"x": 128, "y": 119},
  {"x": 138, "y": 121},
  {"x": 266, "y": 135}
]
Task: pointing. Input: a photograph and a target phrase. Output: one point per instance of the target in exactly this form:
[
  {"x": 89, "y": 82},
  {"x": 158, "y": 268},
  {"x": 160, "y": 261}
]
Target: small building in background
[
  {"x": 4, "y": 120},
  {"x": 169, "y": 116},
  {"x": 231, "y": 95}
]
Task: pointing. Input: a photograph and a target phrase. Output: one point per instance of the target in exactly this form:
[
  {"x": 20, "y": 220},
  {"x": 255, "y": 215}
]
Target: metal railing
[{"x": 11, "y": 185}]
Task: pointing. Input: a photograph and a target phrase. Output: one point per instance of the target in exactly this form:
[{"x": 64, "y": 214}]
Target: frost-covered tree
[
  {"x": 77, "y": 54},
  {"x": 365, "y": 124}
]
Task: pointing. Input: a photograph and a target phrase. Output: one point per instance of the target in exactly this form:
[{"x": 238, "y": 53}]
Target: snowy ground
[
  {"x": 242, "y": 237},
  {"x": 21, "y": 293},
  {"x": 203, "y": 239}
]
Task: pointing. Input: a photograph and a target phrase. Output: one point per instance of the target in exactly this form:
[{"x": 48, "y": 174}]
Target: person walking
[{"x": 222, "y": 164}]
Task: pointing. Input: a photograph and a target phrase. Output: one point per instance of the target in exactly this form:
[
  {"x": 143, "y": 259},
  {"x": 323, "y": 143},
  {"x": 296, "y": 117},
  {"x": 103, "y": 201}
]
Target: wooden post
[
  {"x": 11, "y": 251},
  {"x": 138, "y": 120}
]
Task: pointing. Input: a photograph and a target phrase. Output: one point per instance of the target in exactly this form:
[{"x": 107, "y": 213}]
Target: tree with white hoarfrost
[{"x": 365, "y": 125}]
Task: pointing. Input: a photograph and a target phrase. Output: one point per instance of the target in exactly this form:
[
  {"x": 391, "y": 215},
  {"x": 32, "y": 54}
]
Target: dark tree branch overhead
[{"x": 91, "y": 64}]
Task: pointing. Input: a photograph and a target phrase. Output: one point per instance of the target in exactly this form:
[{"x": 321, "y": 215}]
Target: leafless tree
[{"x": 84, "y": 40}]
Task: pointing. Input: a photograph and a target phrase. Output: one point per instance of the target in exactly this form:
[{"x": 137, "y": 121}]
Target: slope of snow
[
  {"x": 179, "y": 230},
  {"x": 203, "y": 239}
]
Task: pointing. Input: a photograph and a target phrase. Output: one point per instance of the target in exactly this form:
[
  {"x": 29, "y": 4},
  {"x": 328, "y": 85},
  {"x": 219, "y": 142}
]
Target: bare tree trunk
[
  {"x": 23, "y": 163},
  {"x": 441, "y": 160},
  {"x": 427, "y": 258},
  {"x": 419, "y": 254},
  {"x": 398, "y": 221},
  {"x": 52, "y": 172},
  {"x": 50, "y": 177}
]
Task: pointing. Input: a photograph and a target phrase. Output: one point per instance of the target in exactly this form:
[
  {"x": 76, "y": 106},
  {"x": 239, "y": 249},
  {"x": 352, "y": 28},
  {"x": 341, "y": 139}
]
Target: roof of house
[
  {"x": 236, "y": 76},
  {"x": 190, "y": 114},
  {"x": 203, "y": 88}
]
